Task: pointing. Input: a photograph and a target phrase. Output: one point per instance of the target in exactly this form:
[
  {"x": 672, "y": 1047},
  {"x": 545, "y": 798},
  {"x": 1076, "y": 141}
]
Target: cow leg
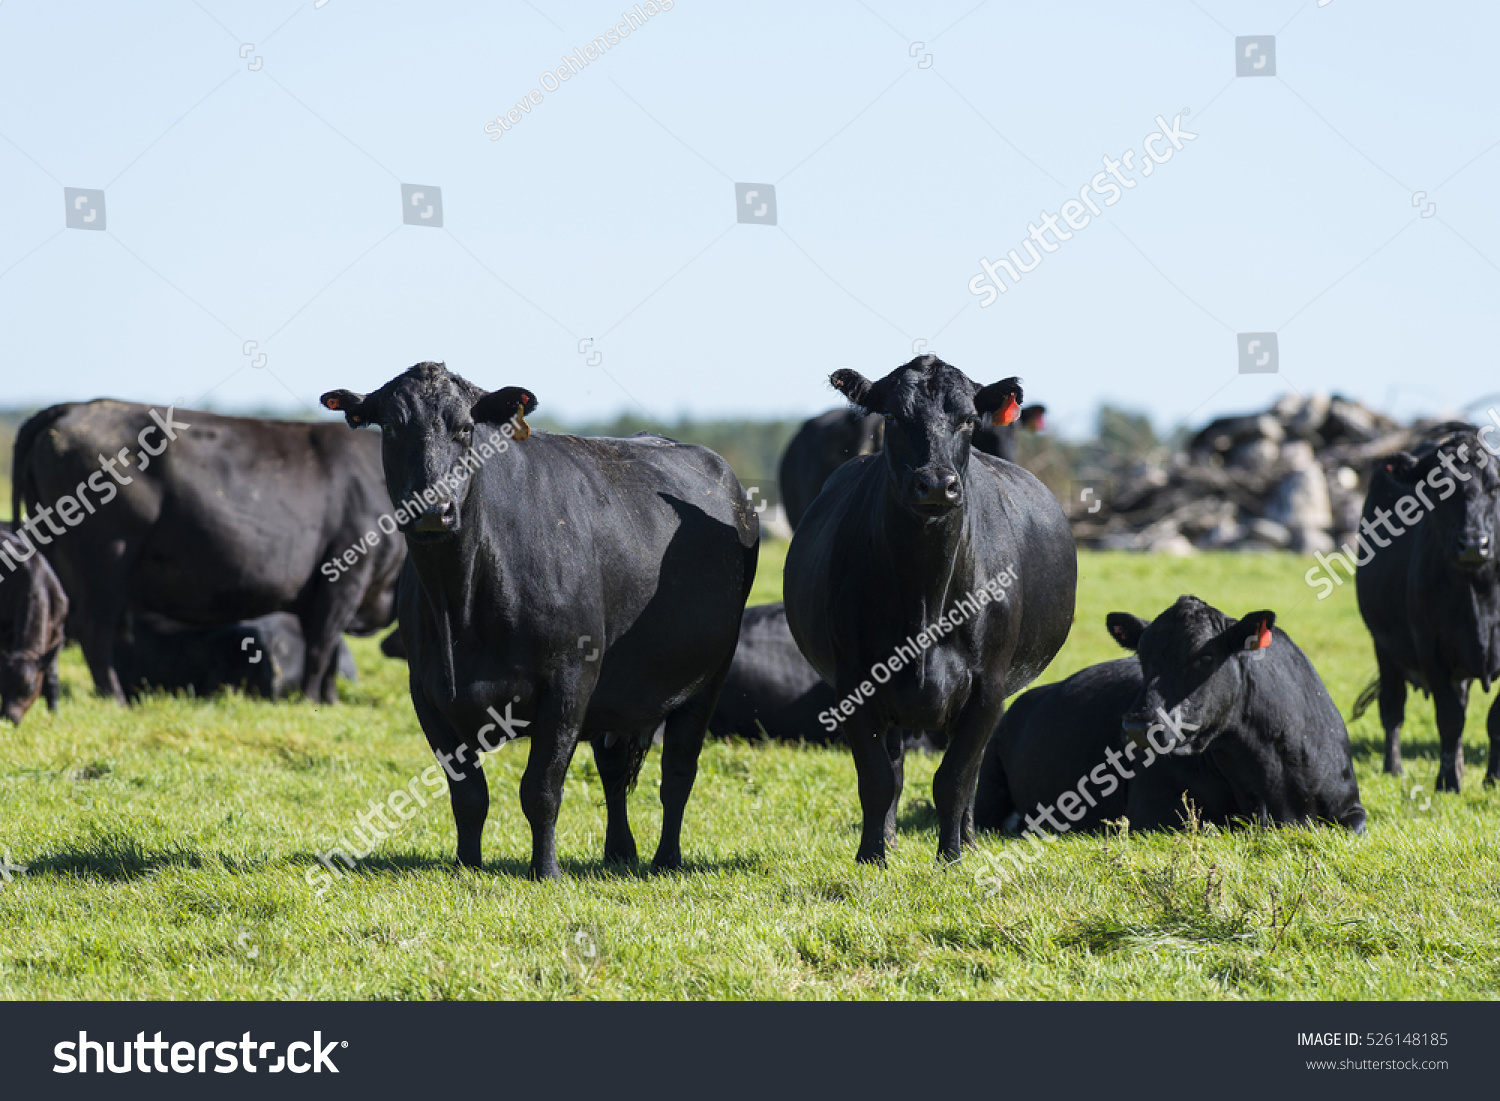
[
  {"x": 682, "y": 742},
  {"x": 98, "y": 623},
  {"x": 50, "y": 685},
  {"x": 323, "y": 624},
  {"x": 1492, "y": 767},
  {"x": 468, "y": 793},
  {"x": 1392, "y": 710},
  {"x": 615, "y": 764},
  {"x": 953, "y": 785},
  {"x": 553, "y": 740},
  {"x": 876, "y": 767},
  {"x": 895, "y": 747},
  {"x": 1452, "y": 703}
]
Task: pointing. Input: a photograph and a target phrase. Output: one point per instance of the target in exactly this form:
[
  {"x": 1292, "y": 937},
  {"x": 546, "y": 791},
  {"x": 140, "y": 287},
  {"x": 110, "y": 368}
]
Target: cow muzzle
[
  {"x": 936, "y": 493},
  {"x": 440, "y": 519}
]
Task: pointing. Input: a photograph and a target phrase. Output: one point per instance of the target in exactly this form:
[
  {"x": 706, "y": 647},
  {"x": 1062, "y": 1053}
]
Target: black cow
[
  {"x": 927, "y": 584},
  {"x": 219, "y": 519},
  {"x": 1429, "y": 590},
  {"x": 595, "y": 586},
  {"x": 827, "y": 442},
  {"x": 1229, "y": 713},
  {"x": 33, "y": 612},
  {"x": 772, "y": 692},
  {"x": 263, "y": 657},
  {"x": 821, "y": 446}
]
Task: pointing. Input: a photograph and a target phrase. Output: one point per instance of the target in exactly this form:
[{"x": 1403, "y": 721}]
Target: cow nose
[
  {"x": 938, "y": 489},
  {"x": 1134, "y": 730},
  {"x": 1474, "y": 552},
  {"x": 440, "y": 517}
]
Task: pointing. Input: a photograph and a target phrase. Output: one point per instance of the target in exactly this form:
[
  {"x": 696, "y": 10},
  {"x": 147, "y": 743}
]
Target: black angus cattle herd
[{"x": 565, "y": 588}]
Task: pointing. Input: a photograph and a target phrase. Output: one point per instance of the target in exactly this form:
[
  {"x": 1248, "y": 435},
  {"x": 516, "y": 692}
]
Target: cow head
[
  {"x": 1193, "y": 667},
  {"x": 1463, "y": 522},
  {"x": 930, "y": 409},
  {"x": 430, "y": 422},
  {"x": 20, "y": 684}
]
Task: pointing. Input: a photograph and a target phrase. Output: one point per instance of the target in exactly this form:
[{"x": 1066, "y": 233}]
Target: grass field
[{"x": 167, "y": 848}]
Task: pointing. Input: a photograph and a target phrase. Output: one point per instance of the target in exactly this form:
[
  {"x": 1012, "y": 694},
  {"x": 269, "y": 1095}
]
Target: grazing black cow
[
  {"x": 218, "y": 519},
  {"x": 827, "y": 442},
  {"x": 927, "y": 584},
  {"x": 821, "y": 446},
  {"x": 1244, "y": 733},
  {"x": 586, "y": 588},
  {"x": 263, "y": 657},
  {"x": 1429, "y": 591},
  {"x": 33, "y": 614}
]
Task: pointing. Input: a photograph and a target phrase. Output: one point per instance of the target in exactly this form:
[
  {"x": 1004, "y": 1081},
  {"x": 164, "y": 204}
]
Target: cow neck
[{"x": 930, "y": 556}]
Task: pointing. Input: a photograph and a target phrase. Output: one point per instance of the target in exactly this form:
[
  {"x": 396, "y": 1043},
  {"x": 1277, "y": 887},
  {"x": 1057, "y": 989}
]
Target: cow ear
[
  {"x": 509, "y": 404},
  {"x": 1253, "y": 632},
  {"x": 358, "y": 409},
  {"x": 1002, "y": 398},
  {"x": 857, "y": 388},
  {"x": 1032, "y": 417},
  {"x": 1125, "y": 628}
]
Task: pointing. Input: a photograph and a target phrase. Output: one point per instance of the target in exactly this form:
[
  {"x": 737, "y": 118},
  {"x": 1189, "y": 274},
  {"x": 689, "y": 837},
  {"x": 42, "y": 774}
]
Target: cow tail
[
  {"x": 1370, "y": 694},
  {"x": 638, "y": 749},
  {"x": 22, "y": 489}
]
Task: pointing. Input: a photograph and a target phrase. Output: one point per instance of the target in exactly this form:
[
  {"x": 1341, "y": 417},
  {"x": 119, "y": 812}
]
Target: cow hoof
[
  {"x": 623, "y": 856},
  {"x": 660, "y": 863},
  {"x": 876, "y": 858},
  {"x": 1446, "y": 781},
  {"x": 1393, "y": 768}
]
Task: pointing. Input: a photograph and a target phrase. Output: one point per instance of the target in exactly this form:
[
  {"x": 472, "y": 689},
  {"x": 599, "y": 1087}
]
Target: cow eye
[
  {"x": 1203, "y": 661},
  {"x": 465, "y": 432},
  {"x": 969, "y": 422}
]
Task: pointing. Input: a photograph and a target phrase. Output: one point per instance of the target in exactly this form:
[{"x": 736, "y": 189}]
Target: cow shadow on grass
[
  {"x": 519, "y": 867},
  {"x": 1372, "y": 746},
  {"x": 120, "y": 860}
]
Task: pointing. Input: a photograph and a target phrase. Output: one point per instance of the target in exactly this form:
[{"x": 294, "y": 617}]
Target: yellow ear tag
[{"x": 523, "y": 430}]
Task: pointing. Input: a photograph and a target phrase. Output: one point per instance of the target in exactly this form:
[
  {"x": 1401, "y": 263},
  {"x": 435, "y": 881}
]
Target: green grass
[{"x": 168, "y": 847}]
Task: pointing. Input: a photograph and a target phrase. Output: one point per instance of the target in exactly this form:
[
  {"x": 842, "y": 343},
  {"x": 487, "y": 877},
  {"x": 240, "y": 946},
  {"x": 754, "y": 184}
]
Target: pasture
[{"x": 167, "y": 848}]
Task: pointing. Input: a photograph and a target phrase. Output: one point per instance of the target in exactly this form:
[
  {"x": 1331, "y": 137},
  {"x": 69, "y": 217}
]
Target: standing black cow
[
  {"x": 1429, "y": 591},
  {"x": 1229, "y": 713},
  {"x": 927, "y": 584},
  {"x": 33, "y": 611},
  {"x": 219, "y": 519},
  {"x": 595, "y": 585}
]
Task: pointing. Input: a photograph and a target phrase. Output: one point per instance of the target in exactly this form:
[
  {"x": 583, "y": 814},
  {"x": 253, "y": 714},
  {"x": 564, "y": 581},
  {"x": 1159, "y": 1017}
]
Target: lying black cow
[
  {"x": 927, "y": 584},
  {"x": 1229, "y": 713},
  {"x": 1429, "y": 591},
  {"x": 218, "y": 519},
  {"x": 564, "y": 588},
  {"x": 772, "y": 692},
  {"x": 827, "y": 442},
  {"x": 33, "y": 614},
  {"x": 262, "y": 657}
]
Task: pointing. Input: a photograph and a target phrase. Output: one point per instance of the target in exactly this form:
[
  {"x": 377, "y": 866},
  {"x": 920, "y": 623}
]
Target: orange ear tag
[
  {"x": 523, "y": 430},
  {"x": 1265, "y": 637},
  {"x": 1010, "y": 412}
]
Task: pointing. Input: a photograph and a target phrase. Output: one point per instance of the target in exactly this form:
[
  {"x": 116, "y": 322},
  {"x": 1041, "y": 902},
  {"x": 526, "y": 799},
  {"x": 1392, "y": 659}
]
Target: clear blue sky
[{"x": 258, "y": 198}]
